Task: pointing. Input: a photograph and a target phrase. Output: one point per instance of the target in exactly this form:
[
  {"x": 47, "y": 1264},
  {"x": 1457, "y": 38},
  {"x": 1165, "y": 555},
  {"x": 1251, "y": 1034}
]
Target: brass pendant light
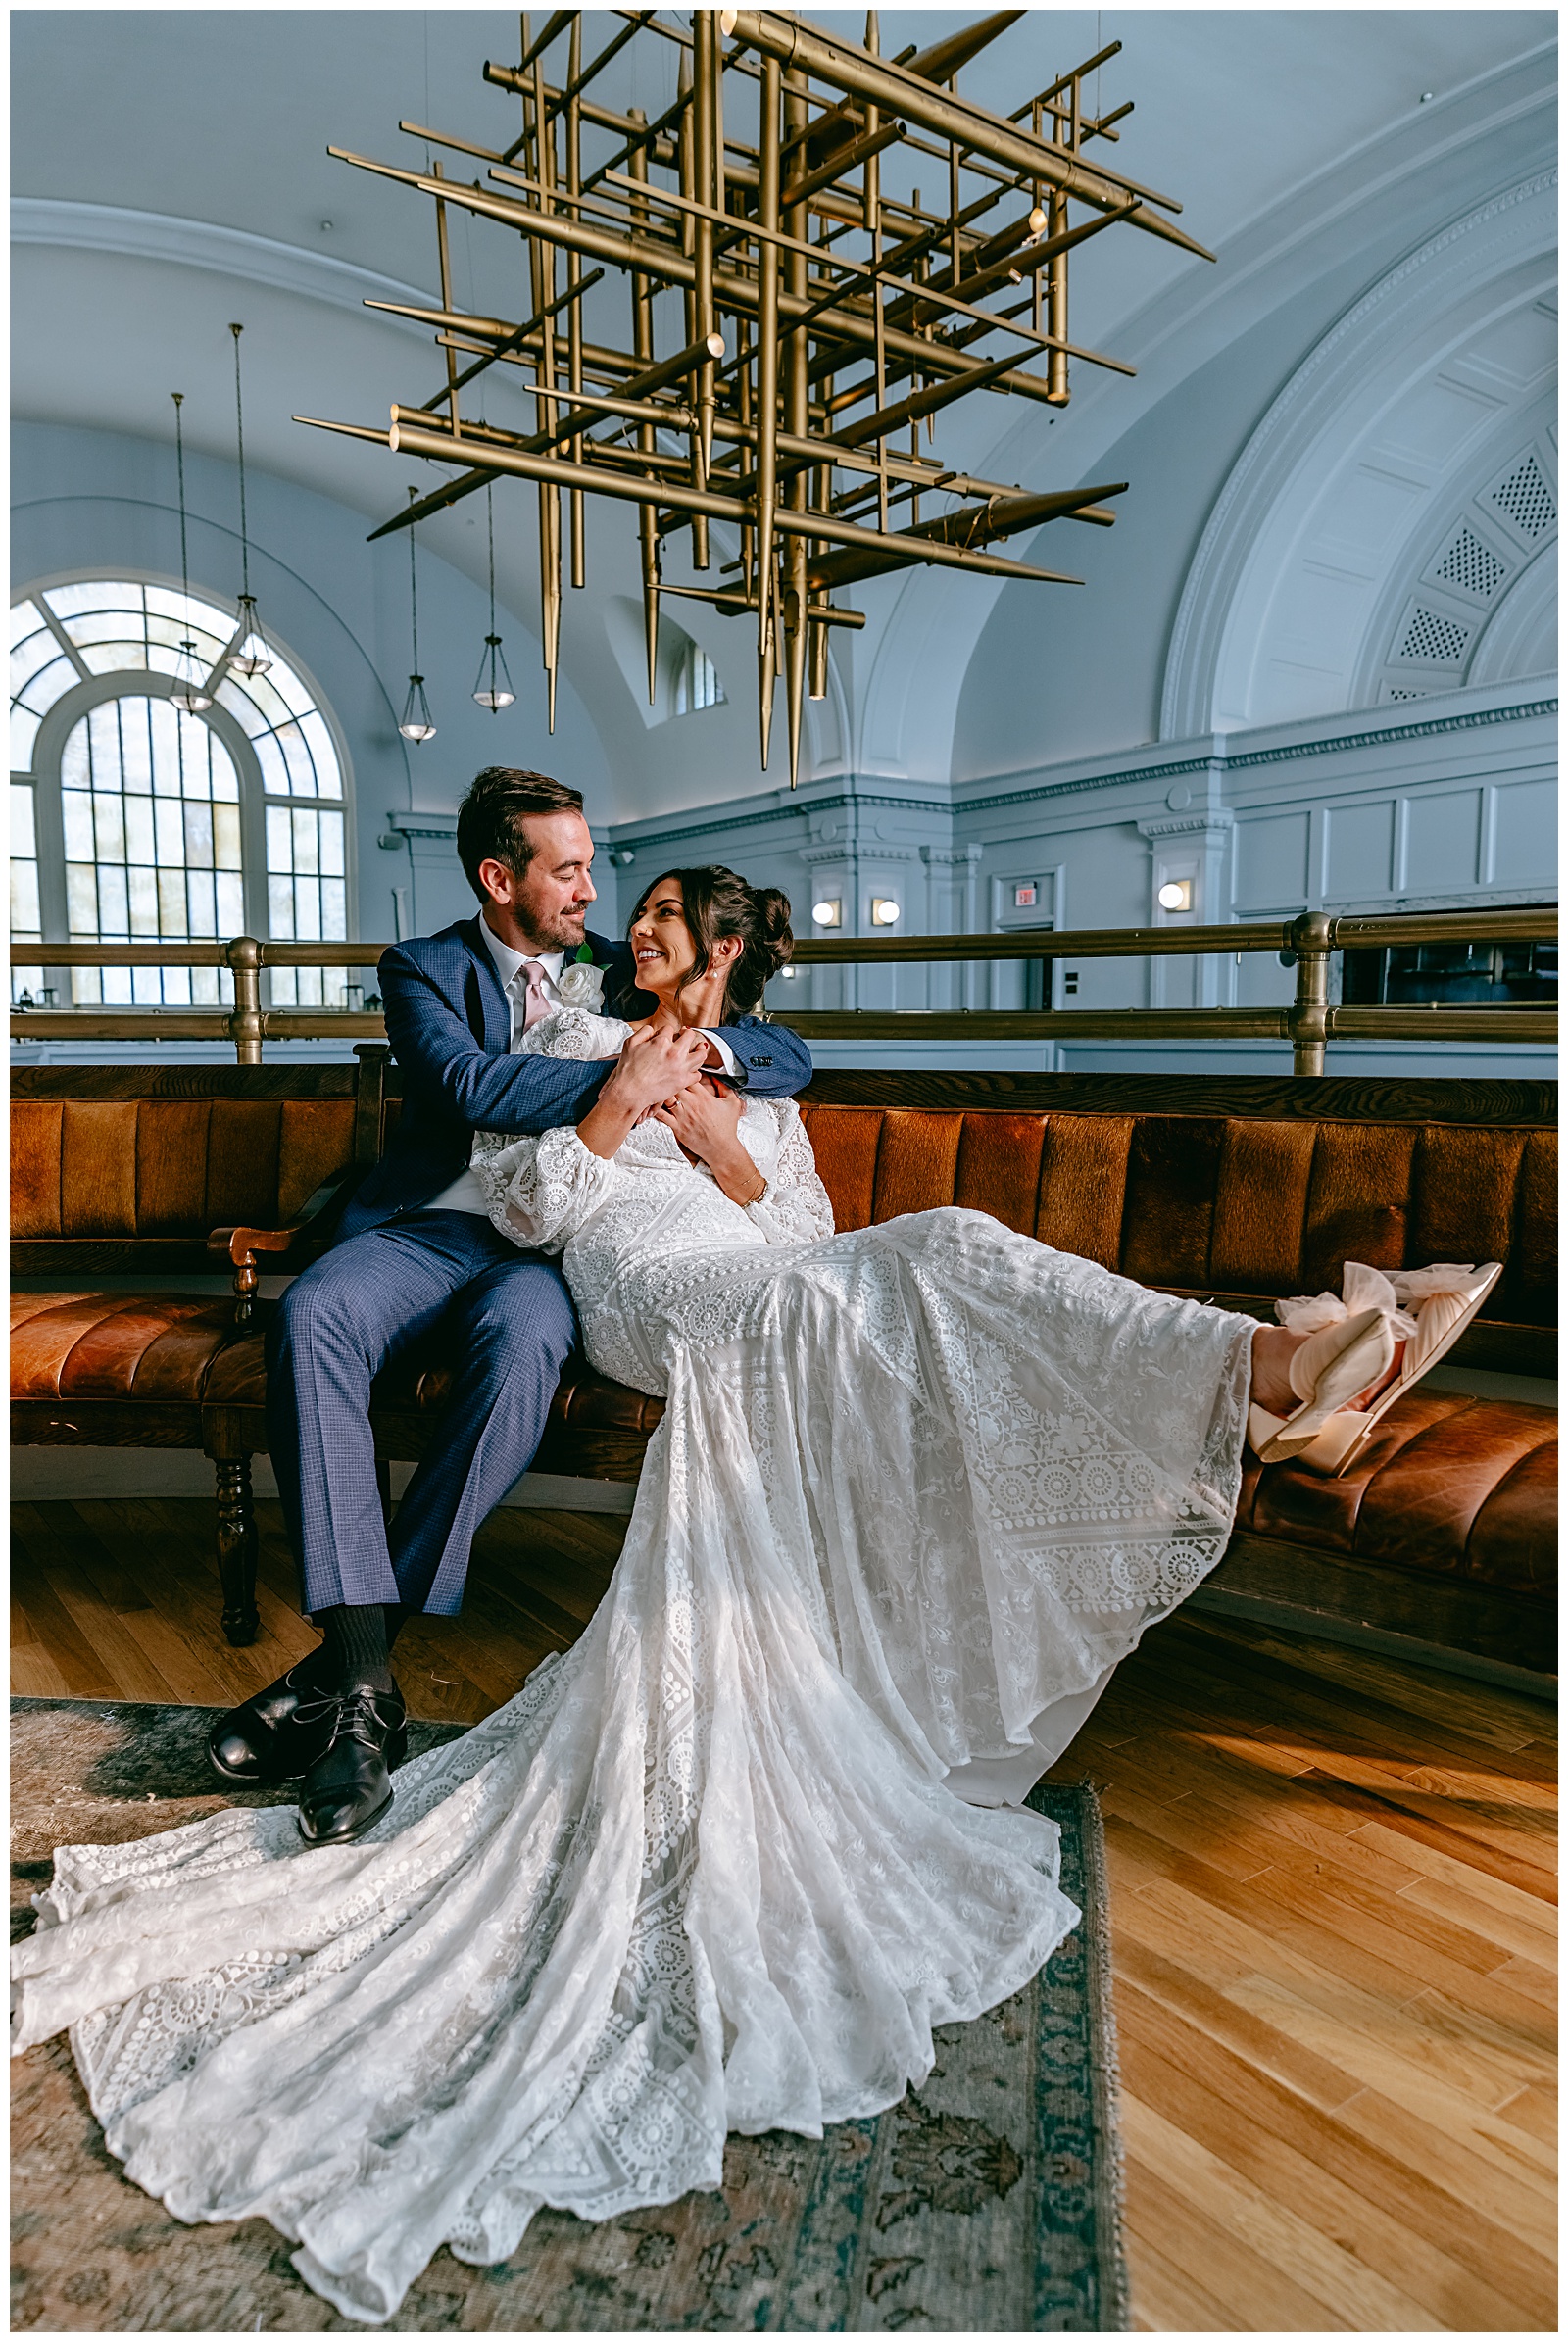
[
  {"x": 493, "y": 688},
  {"x": 250, "y": 658},
  {"x": 416, "y": 722},
  {"x": 190, "y": 690}
]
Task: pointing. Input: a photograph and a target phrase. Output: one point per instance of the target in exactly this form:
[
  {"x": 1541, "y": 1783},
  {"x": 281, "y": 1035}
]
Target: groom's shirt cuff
[{"x": 734, "y": 1070}]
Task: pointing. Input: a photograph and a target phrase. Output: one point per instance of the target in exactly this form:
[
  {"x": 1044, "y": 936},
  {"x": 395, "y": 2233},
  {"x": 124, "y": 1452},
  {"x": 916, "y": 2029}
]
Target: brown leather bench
[{"x": 1235, "y": 1190}]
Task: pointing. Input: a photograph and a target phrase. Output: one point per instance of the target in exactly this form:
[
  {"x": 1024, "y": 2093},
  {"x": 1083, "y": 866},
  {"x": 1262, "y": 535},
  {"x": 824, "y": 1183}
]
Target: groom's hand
[{"x": 657, "y": 1062}]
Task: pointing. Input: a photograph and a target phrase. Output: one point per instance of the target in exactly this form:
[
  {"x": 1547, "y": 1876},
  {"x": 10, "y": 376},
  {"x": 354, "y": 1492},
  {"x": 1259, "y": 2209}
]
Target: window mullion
[{"x": 62, "y": 638}]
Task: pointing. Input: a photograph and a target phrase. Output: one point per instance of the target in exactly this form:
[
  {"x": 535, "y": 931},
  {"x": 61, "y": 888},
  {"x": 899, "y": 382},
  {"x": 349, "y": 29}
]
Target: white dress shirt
[{"x": 465, "y": 1194}]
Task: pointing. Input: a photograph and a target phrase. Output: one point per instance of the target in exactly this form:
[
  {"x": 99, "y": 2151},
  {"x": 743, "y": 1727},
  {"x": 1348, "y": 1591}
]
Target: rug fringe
[{"x": 1105, "y": 2063}]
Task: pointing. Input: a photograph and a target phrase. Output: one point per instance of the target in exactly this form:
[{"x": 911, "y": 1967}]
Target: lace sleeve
[
  {"x": 573, "y": 1033},
  {"x": 540, "y": 1191},
  {"x": 793, "y": 1206}
]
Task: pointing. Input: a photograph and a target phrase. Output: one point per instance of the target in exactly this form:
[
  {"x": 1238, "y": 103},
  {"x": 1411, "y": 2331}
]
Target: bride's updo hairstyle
[{"x": 719, "y": 903}]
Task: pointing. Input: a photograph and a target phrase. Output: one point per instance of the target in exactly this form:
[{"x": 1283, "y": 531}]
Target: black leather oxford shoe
[
  {"x": 347, "y": 1787},
  {"x": 264, "y": 1739}
]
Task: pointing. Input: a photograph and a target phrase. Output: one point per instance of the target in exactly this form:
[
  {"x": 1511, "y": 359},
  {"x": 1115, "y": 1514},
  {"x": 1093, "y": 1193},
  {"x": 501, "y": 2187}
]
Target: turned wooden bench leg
[{"x": 236, "y": 1547}]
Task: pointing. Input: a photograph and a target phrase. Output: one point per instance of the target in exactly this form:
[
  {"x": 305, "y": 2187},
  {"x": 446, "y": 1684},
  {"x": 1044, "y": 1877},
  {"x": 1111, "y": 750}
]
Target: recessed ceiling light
[{"x": 1427, "y": 96}]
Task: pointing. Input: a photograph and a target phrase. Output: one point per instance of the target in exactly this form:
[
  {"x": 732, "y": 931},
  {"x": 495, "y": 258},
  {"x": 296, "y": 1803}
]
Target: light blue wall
[
  {"x": 1381, "y": 809},
  {"x": 1094, "y": 658},
  {"x": 1377, "y": 811},
  {"x": 101, "y": 503}
]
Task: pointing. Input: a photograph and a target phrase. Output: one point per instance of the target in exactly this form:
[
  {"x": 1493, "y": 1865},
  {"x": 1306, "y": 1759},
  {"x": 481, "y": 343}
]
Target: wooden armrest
[{"x": 240, "y": 1246}]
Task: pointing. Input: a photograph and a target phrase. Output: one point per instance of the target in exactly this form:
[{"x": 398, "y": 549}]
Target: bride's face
[{"x": 660, "y": 940}]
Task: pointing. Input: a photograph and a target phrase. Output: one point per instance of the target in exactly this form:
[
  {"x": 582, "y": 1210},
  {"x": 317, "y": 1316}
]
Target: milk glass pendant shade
[
  {"x": 251, "y": 657},
  {"x": 190, "y": 690},
  {"x": 190, "y": 681},
  {"x": 492, "y": 686},
  {"x": 493, "y": 690},
  {"x": 415, "y": 723}
]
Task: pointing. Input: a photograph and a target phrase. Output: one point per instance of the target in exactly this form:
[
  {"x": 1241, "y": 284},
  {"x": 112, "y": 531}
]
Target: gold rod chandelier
[{"x": 822, "y": 317}]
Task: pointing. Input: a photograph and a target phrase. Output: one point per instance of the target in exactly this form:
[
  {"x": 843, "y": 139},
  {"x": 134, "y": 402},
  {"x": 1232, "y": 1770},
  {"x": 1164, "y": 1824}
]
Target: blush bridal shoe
[
  {"x": 1332, "y": 1366},
  {"x": 1428, "y": 1310}
]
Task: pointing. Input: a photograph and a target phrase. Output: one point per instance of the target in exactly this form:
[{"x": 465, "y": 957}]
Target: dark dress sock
[{"x": 357, "y": 1642}]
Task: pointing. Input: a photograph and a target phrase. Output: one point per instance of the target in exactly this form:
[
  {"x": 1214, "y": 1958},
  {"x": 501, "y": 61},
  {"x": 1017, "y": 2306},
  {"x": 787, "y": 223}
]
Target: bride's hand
[{"x": 705, "y": 1120}]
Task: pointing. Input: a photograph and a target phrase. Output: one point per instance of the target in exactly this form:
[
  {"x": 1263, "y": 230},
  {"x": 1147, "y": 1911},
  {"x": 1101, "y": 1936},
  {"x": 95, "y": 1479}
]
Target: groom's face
[{"x": 546, "y": 909}]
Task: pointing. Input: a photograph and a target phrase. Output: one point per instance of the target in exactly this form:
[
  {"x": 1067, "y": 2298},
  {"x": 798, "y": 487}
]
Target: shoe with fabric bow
[
  {"x": 349, "y": 1786},
  {"x": 1426, "y": 1311}
]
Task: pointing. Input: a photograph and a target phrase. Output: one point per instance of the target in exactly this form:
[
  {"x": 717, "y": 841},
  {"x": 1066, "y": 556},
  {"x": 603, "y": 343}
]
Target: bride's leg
[{"x": 1273, "y": 1348}]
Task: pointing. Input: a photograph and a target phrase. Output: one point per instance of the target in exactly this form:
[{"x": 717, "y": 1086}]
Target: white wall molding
[
  {"x": 1262, "y": 512},
  {"x": 922, "y": 635},
  {"x": 203, "y": 244},
  {"x": 1220, "y": 753}
]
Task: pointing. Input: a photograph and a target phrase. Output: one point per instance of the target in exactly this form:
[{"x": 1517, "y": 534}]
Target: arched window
[
  {"x": 697, "y": 683},
  {"x": 133, "y": 820}
]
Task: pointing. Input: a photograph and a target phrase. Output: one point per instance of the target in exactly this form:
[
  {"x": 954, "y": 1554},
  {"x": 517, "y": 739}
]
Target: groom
[{"x": 415, "y": 1252}]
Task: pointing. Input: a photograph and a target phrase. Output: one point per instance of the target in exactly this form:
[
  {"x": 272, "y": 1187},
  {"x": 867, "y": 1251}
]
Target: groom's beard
[{"x": 561, "y": 933}]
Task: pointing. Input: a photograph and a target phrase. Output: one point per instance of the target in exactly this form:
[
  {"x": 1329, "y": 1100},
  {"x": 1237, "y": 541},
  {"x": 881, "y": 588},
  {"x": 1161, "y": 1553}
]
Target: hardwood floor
[{"x": 1332, "y": 1910}]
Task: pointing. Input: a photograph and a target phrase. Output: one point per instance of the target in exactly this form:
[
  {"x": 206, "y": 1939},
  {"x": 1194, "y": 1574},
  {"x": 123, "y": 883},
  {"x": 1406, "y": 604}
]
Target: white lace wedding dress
[{"x": 917, "y": 1489}]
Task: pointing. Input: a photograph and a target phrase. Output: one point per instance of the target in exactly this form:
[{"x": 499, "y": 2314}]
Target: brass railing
[{"x": 1307, "y": 942}]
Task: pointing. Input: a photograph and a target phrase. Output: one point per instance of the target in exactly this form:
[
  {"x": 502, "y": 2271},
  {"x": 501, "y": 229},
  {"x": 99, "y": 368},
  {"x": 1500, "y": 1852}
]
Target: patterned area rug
[{"x": 986, "y": 2202}]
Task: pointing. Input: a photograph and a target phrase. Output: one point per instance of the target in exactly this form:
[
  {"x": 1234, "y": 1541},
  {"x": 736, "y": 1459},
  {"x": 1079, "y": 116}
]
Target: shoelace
[{"x": 357, "y": 1716}]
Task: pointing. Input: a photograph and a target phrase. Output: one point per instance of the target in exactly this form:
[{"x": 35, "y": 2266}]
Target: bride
[{"x": 724, "y": 1863}]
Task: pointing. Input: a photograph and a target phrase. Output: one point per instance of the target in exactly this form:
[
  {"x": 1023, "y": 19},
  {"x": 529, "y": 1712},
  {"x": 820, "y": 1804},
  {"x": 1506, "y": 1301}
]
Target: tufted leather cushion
[
  {"x": 1449, "y": 1486},
  {"x": 169, "y": 1166},
  {"x": 143, "y": 1347},
  {"x": 1214, "y": 1202}
]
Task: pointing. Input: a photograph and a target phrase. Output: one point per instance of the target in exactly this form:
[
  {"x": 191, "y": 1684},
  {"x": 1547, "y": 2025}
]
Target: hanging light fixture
[
  {"x": 190, "y": 690},
  {"x": 492, "y": 689},
  {"x": 416, "y": 722},
  {"x": 250, "y": 658}
]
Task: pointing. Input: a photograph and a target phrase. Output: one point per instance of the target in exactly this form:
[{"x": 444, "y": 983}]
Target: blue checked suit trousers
[{"x": 506, "y": 1319}]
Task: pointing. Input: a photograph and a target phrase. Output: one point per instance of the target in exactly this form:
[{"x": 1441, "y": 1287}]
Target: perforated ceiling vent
[
  {"x": 1526, "y": 500},
  {"x": 1472, "y": 566},
  {"x": 1433, "y": 638},
  {"x": 1408, "y": 694}
]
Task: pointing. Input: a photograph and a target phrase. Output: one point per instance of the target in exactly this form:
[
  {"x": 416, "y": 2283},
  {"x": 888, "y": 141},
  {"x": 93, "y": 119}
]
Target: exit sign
[{"x": 1026, "y": 895}]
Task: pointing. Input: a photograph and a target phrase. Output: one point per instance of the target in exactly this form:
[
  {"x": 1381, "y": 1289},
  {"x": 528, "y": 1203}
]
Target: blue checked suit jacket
[{"x": 450, "y": 1026}]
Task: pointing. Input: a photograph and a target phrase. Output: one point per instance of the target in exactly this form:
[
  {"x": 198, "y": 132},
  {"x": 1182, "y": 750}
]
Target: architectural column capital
[{"x": 1215, "y": 823}]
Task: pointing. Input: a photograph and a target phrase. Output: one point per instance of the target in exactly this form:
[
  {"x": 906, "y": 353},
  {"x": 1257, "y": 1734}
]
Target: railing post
[
  {"x": 1311, "y": 939},
  {"x": 244, "y": 957}
]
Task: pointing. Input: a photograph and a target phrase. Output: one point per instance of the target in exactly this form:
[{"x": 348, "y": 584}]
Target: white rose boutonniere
[{"x": 581, "y": 986}]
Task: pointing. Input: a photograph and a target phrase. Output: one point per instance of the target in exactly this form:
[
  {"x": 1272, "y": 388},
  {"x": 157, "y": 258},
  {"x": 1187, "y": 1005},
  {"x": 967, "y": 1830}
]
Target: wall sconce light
[
  {"x": 828, "y": 915},
  {"x": 884, "y": 911},
  {"x": 787, "y": 975},
  {"x": 1176, "y": 895}
]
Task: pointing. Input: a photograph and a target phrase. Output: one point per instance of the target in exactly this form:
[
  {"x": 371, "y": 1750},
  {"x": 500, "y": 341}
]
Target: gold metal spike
[{"x": 853, "y": 317}]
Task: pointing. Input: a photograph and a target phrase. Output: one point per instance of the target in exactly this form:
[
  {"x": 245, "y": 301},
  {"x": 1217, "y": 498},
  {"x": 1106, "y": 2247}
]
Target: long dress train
[{"x": 725, "y": 1864}]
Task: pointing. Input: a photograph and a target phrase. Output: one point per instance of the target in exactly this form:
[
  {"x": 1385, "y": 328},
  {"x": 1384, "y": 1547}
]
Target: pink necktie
[{"x": 535, "y": 1003}]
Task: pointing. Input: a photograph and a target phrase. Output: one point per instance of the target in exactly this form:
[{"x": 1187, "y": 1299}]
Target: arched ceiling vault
[{"x": 185, "y": 182}]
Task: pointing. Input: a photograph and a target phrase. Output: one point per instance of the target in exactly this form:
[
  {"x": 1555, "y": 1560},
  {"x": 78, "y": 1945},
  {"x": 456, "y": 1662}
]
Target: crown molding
[
  {"x": 1516, "y": 225},
  {"x": 203, "y": 244}
]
